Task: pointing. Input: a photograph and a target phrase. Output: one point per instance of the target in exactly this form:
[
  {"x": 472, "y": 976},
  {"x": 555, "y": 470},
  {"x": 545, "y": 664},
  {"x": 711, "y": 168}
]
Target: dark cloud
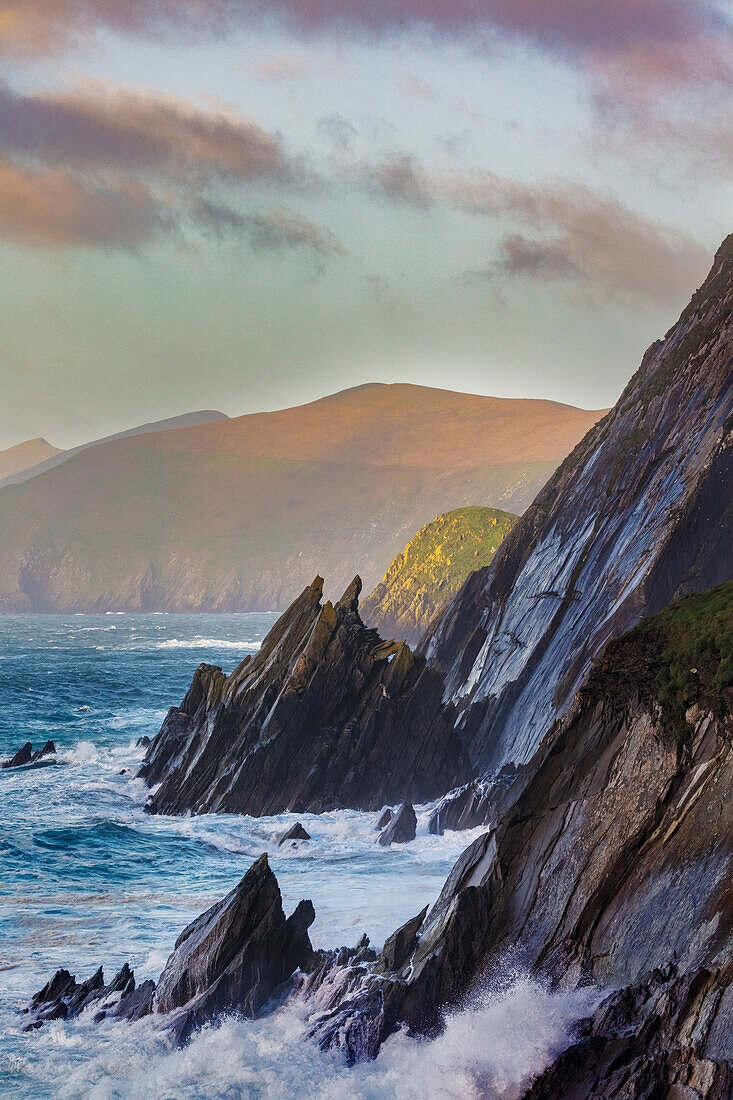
[
  {"x": 135, "y": 131},
  {"x": 270, "y": 231},
  {"x": 401, "y": 178},
  {"x": 575, "y": 25},
  {"x": 577, "y": 233},
  {"x": 53, "y": 208},
  {"x": 535, "y": 259}
]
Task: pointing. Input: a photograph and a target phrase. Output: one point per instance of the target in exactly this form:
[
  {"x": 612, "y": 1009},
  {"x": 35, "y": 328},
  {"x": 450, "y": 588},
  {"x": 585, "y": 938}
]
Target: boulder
[
  {"x": 295, "y": 832},
  {"x": 143, "y": 742},
  {"x": 384, "y": 818},
  {"x": 402, "y": 827}
]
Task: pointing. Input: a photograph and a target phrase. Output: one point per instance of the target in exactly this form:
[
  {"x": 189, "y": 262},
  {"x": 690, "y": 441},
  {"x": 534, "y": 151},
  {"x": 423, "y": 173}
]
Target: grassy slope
[
  {"x": 680, "y": 657},
  {"x": 432, "y": 567},
  {"x": 243, "y": 513}
]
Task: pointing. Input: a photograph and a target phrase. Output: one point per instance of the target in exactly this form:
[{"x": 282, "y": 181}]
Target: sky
[{"x": 240, "y": 205}]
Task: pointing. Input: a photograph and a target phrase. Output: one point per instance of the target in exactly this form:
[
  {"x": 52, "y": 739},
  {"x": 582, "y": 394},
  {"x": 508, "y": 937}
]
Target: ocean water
[{"x": 86, "y": 877}]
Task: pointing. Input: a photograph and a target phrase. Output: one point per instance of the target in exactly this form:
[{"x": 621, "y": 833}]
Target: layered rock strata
[
  {"x": 615, "y": 857},
  {"x": 636, "y": 517},
  {"x": 326, "y": 715}
]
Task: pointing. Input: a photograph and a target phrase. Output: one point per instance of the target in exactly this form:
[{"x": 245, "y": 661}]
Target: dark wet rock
[
  {"x": 236, "y": 955},
  {"x": 327, "y": 715},
  {"x": 637, "y": 516},
  {"x": 476, "y": 803},
  {"x": 401, "y": 829},
  {"x": 384, "y": 818},
  {"x": 296, "y": 832},
  {"x": 614, "y": 857},
  {"x": 648, "y": 1040},
  {"x": 26, "y": 755},
  {"x": 64, "y": 998},
  {"x": 400, "y": 945},
  {"x": 22, "y": 756},
  {"x": 143, "y": 742}
]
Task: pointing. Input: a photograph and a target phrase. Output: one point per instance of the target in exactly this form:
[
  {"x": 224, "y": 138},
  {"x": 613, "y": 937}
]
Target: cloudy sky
[{"x": 242, "y": 205}]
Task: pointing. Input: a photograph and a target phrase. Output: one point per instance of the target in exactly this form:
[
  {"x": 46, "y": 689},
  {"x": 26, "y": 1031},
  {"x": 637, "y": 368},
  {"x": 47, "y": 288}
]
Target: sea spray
[{"x": 491, "y": 1052}]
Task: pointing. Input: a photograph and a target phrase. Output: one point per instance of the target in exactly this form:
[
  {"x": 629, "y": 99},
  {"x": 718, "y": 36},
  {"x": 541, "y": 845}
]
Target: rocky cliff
[
  {"x": 326, "y": 715},
  {"x": 638, "y": 515},
  {"x": 422, "y": 580},
  {"x": 611, "y": 863}
]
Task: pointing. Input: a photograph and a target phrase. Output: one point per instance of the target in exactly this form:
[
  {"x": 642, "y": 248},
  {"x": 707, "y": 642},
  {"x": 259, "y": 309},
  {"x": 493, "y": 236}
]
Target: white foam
[
  {"x": 84, "y": 752},
  {"x": 206, "y": 643},
  {"x": 491, "y": 1052}
]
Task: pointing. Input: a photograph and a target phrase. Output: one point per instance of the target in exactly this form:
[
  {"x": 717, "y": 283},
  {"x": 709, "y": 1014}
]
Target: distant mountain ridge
[
  {"x": 23, "y": 456},
  {"x": 240, "y": 514},
  {"x": 55, "y": 456}
]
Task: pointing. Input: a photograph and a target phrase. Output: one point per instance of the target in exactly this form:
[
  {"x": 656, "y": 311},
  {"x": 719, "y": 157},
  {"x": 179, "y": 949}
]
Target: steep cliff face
[
  {"x": 422, "y": 580},
  {"x": 326, "y": 715},
  {"x": 637, "y": 516},
  {"x": 613, "y": 855}
]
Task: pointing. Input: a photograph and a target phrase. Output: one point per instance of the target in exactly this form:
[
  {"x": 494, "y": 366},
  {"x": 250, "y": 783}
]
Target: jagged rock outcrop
[
  {"x": 235, "y": 957},
  {"x": 64, "y": 998},
  {"x": 637, "y": 516},
  {"x": 476, "y": 803},
  {"x": 422, "y": 580},
  {"x": 401, "y": 827},
  {"x": 326, "y": 715},
  {"x": 615, "y": 855},
  {"x": 26, "y": 755}
]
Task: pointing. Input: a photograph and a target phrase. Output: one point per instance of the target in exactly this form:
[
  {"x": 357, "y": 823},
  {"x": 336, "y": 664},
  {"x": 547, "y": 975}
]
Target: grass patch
[{"x": 680, "y": 657}]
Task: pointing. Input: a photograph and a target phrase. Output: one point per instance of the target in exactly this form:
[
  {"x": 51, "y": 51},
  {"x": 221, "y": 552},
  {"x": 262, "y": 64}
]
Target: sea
[{"x": 88, "y": 878}]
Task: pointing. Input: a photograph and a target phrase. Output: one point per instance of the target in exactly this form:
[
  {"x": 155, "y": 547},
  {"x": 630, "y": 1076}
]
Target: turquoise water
[{"x": 86, "y": 877}]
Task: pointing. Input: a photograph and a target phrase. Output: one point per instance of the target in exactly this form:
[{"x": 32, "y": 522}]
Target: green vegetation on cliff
[
  {"x": 432, "y": 567},
  {"x": 681, "y": 657}
]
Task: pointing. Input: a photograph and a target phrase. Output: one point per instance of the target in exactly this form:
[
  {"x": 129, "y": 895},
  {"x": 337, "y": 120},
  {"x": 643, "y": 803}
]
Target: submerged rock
[
  {"x": 235, "y": 957},
  {"x": 26, "y": 755},
  {"x": 326, "y": 716},
  {"x": 296, "y": 832},
  {"x": 401, "y": 828}
]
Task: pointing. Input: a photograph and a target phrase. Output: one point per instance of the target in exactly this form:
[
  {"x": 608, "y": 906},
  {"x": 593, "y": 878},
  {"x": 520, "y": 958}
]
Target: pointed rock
[
  {"x": 401, "y": 829},
  {"x": 22, "y": 756},
  {"x": 236, "y": 955},
  {"x": 296, "y": 832}
]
